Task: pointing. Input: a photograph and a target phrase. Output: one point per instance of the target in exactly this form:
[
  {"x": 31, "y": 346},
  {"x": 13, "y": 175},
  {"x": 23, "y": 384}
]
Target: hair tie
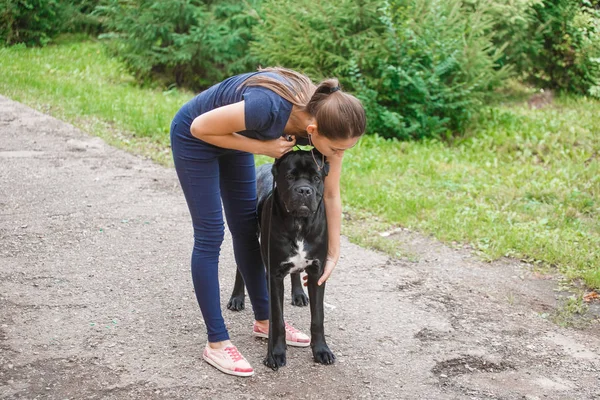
[{"x": 334, "y": 89}]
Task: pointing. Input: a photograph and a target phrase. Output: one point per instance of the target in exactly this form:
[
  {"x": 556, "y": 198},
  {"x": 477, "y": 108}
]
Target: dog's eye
[
  {"x": 289, "y": 177},
  {"x": 316, "y": 178}
]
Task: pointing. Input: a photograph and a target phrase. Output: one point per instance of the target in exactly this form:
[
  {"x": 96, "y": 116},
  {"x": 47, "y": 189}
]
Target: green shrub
[
  {"x": 516, "y": 31},
  {"x": 32, "y": 22},
  {"x": 421, "y": 67},
  {"x": 441, "y": 64},
  {"x": 570, "y": 58},
  {"x": 185, "y": 42},
  {"x": 80, "y": 17},
  {"x": 37, "y": 22},
  {"x": 550, "y": 43}
]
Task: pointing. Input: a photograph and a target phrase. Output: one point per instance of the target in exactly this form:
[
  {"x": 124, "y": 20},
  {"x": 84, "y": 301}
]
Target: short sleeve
[
  {"x": 258, "y": 107},
  {"x": 265, "y": 112}
]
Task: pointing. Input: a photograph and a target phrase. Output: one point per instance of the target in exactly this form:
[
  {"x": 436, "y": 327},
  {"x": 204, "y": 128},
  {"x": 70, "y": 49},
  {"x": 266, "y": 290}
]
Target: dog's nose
[{"x": 304, "y": 190}]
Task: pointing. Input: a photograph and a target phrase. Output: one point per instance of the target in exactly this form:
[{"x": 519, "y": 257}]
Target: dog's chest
[{"x": 298, "y": 258}]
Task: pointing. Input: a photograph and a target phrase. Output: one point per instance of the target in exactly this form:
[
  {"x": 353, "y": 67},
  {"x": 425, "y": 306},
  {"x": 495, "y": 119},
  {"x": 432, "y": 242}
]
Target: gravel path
[{"x": 96, "y": 299}]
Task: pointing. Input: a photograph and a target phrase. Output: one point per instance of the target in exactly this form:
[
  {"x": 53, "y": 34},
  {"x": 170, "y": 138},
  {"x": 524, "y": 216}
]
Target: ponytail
[{"x": 339, "y": 115}]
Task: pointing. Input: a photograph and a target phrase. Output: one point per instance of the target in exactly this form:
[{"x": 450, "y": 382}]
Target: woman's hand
[
  {"x": 276, "y": 148},
  {"x": 330, "y": 264}
]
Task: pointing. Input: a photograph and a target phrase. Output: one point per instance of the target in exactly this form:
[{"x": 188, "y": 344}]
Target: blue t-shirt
[{"x": 266, "y": 112}]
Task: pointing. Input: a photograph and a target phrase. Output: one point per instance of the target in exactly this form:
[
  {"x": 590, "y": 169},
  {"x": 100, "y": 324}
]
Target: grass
[
  {"x": 571, "y": 312},
  {"x": 523, "y": 183},
  {"x": 77, "y": 82}
]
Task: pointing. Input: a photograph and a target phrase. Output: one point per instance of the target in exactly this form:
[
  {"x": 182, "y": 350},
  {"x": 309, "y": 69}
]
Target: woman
[{"x": 214, "y": 137}]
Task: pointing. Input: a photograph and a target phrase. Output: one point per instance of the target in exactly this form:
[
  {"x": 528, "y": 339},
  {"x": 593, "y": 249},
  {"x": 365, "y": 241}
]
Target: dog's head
[{"x": 300, "y": 182}]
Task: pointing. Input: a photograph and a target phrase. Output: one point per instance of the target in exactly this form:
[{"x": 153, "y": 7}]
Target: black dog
[{"x": 293, "y": 233}]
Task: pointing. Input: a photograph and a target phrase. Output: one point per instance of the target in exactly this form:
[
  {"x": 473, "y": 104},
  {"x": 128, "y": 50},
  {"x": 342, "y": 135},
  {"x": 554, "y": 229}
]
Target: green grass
[
  {"x": 77, "y": 82},
  {"x": 524, "y": 183}
]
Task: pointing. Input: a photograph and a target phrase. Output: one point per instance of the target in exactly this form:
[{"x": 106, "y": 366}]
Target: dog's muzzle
[{"x": 304, "y": 201}]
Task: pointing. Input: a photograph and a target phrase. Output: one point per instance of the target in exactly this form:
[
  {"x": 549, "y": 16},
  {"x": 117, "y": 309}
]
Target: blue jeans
[{"x": 209, "y": 174}]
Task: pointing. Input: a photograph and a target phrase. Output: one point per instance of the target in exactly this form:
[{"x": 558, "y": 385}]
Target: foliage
[
  {"x": 421, "y": 67},
  {"x": 551, "y": 43},
  {"x": 570, "y": 58},
  {"x": 81, "y": 17},
  {"x": 36, "y": 22},
  {"x": 516, "y": 31},
  {"x": 440, "y": 64},
  {"x": 320, "y": 37},
  {"x": 33, "y": 22},
  {"x": 185, "y": 42}
]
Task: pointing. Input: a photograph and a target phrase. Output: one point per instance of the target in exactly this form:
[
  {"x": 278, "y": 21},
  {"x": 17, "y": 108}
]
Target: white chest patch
[{"x": 299, "y": 259}]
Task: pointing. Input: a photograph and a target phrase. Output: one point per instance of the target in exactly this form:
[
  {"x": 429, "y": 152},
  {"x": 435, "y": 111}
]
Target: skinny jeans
[{"x": 209, "y": 176}]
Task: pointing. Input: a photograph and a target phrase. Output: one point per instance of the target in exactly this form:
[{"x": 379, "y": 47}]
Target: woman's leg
[
  {"x": 197, "y": 167},
  {"x": 238, "y": 191}
]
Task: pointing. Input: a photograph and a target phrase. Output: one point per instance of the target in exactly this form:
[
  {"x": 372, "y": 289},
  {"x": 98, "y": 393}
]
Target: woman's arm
[
  {"x": 218, "y": 128},
  {"x": 333, "y": 208}
]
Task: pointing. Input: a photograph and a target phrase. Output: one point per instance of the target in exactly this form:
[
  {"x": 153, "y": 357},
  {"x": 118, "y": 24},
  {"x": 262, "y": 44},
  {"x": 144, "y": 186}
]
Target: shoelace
[
  {"x": 291, "y": 328},
  {"x": 234, "y": 353}
]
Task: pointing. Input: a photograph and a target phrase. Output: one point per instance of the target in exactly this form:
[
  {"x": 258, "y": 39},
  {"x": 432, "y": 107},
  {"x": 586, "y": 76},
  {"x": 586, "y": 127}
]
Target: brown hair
[{"x": 339, "y": 115}]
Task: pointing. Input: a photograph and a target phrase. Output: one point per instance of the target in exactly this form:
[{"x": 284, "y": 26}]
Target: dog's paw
[
  {"x": 236, "y": 303},
  {"x": 323, "y": 355},
  {"x": 299, "y": 299},
  {"x": 274, "y": 361}
]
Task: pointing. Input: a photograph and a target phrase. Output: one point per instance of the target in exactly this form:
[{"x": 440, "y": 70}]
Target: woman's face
[{"x": 329, "y": 147}]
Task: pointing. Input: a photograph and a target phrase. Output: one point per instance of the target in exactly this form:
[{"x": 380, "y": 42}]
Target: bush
[
  {"x": 516, "y": 31},
  {"x": 551, "y": 43},
  {"x": 80, "y": 17},
  {"x": 32, "y": 22},
  {"x": 570, "y": 58},
  {"x": 37, "y": 22},
  {"x": 421, "y": 67},
  {"x": 441, "y": 63},
  {"x": 185, "y": 42}
]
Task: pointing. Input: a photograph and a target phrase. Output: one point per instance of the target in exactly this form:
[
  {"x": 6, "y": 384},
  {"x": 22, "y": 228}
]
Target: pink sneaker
[
  {"x": 228, "y": 360},
  {"x": 293, "y": 336}
]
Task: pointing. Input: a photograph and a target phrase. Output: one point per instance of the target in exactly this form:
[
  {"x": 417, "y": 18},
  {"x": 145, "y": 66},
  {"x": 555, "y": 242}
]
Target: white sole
[
  {"x": 289, "y": 343},
  {"x": 226, "y": 371}
]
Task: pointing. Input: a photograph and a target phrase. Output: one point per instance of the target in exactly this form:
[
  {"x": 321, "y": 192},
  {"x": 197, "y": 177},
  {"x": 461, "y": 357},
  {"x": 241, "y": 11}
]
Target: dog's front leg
[
  {"x": 276, "y": 352},
  {"x": 316, "y": 294}
]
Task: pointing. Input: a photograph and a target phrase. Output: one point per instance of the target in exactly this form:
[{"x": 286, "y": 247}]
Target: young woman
[{"x": 214, "y": 138}]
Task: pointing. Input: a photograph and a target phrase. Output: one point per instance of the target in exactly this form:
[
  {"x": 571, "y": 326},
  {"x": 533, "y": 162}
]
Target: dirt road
[{"x": 96, "y": 299}]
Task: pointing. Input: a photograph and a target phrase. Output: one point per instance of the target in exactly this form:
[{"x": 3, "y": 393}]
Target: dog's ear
[
  {"x": 276, "y": 163},
  {"x": 275, "y": 167},
  {"x": 326, "y": 167}
]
